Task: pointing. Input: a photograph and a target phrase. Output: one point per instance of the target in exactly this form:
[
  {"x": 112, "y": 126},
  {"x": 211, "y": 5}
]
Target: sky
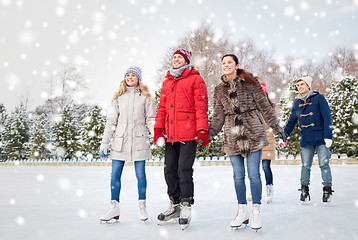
[
  {"x": 102, "y": 38},
  {"x": 66, "y": 202}
]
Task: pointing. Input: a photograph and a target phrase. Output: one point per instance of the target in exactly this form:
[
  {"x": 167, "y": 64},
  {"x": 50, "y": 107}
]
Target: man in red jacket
[{"x": 181, "y": 123}]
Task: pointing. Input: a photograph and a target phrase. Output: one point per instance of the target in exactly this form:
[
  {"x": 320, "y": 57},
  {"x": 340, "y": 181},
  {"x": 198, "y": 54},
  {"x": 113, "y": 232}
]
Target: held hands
[
  {"x": 328, "y": 142},
  {"x": 159, "y": 138},
  {"x": 282, "y": 144},
  {"x": 203, "y": 138},
  {"x": 103, "y": 150},
  {"x": 283, "y": 139}
]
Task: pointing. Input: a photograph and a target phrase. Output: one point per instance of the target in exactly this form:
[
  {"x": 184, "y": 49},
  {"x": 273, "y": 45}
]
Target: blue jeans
[
  {"x": 266, "y": 166},
  {"x": 323, "y": 161},
  {"x": 253, "y": 170},
  {"x": 117, "y": 169}
]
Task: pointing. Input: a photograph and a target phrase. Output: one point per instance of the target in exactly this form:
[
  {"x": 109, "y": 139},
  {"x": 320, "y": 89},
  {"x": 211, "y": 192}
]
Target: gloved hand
[
  {"x": 159, "y": 138},
  {"x": 328, "y": 142},
  {"x": 103, "y": 150},
  {"x": 283, "y": 136},
  {"x": 203, "y": 137},
  {"x": 282, "y": 144}
]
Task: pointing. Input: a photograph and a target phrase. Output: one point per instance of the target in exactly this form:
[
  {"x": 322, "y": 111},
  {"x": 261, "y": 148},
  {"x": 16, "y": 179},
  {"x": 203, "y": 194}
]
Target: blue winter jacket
[{"x": 314, "y": 117}]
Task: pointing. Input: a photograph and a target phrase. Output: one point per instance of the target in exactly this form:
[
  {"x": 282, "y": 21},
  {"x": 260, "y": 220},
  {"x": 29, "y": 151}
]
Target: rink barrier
[{"x": 200, "y": 161}]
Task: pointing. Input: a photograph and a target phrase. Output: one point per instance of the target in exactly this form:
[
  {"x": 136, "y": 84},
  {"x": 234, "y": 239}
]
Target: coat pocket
[
  {"x": 141, "y": 143},
  {"x": 117, "y": 144},
  {"x": 186, "y": 127}
]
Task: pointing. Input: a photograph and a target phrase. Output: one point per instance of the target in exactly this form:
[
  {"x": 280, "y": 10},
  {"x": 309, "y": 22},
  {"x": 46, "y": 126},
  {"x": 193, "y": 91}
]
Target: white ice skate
[
  {"x": 269, "y": 193},
  {"x": 185, "y": 215},
  {"x": 241, "y": 217},
  {"x": 111, "y": 213},
  {"x": 142, "y": 210},
  {"x": 255, "y": 217}
]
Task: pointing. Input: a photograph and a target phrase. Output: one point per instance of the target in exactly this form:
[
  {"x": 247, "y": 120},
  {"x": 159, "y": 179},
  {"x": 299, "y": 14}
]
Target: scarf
[
  {"x": 304, "y": 98},
  {"x": 177, "y": 72}
]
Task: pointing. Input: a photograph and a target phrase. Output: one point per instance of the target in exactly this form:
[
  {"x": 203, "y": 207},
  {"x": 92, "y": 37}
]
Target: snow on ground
[{"x": 47, "y": 202}]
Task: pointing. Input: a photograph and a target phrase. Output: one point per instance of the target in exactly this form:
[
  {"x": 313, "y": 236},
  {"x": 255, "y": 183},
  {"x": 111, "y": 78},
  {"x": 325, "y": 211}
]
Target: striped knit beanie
[{"x": 136, "y": 70}]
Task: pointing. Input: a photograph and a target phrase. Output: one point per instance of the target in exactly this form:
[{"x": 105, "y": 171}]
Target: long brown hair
[
  {"x": 123, "y": 87},
  {"x": 247, "y": 76}
]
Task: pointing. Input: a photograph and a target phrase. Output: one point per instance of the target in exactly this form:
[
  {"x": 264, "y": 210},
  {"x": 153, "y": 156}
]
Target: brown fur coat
[{"x": 237, "y": 107}]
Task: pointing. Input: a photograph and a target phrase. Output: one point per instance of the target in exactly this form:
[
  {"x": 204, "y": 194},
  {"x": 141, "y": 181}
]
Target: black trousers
[{"x": 178, "y": 170}]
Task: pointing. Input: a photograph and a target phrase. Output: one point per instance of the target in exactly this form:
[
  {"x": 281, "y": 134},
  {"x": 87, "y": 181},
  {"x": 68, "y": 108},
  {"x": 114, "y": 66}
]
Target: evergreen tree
[
  {"x": 66, "y": 134},
  {"x": 157, "y": 152},
  {"x": 343, "y": 102},
  {"x": 286, "y": 102},
  {"x": 3, "y": 116},
  {"x": 40, "y": 132},
  {"x": 16, "y": 134},
  {"x": 216, "y": 146},
  {"x": 92, "y": 128}
]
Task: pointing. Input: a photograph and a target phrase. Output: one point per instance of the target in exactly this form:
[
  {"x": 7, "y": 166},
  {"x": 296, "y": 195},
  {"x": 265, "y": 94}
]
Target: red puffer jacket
[{"x": 183, "y": 106}]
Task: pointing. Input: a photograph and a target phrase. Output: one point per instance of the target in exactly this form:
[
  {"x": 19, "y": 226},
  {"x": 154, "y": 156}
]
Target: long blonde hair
[{"x": 123, "y": 87}]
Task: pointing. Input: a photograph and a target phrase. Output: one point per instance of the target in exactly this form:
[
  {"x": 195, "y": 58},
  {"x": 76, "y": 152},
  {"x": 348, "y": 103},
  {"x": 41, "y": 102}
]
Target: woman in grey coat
[
  {"x": 239, "y": 103},
  {"x": 130, "y": 115}
]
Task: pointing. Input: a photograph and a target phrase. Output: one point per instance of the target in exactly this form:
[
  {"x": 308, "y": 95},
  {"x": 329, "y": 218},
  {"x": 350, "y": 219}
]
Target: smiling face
[
  {"x": 178, "y": 61},
  {"x": 229, "y": 67},
  {"x": 302, "y": 87},
  {"x": 132, "y": 80}
]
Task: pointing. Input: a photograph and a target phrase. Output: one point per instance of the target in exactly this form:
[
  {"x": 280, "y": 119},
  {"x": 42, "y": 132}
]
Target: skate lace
[
  {"x": 169, "y": 210},
  {"x": 110, "y": 208},
  {"x": 255, "y": 215},
  {"x": 185, "y": 212}
]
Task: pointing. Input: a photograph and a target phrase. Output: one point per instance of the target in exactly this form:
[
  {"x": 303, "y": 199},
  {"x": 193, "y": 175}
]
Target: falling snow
[
  {"x": 104, "y": 38},
  {"x": 68, "y": 202}
]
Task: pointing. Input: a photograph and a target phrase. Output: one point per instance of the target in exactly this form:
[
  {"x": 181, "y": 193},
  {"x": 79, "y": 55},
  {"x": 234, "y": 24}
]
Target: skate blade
[
  {"x": 168, "y": 222},
  {"x": 116, "y": 218},
  {"x": 256, "y": 229},
  {"x": 184, "y": 226}
]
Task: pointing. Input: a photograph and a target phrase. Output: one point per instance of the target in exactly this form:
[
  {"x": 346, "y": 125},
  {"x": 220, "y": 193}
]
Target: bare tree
[{"x": 207, "y": 46}]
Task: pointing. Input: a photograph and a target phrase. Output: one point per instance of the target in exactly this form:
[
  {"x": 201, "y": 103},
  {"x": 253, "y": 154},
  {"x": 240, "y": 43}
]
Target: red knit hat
[
  {"x": 263, "y": 85},
  {"x": 186, "y": 54}
]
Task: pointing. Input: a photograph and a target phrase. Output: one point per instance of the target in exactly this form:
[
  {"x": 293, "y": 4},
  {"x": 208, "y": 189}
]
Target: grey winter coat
[
  {"x": 237, "y": 106},
  {"x": 128, "y": 119}
]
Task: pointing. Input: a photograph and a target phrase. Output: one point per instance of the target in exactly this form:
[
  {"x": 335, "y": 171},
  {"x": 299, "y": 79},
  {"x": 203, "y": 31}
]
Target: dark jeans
[
  {"x": 266, "y": 166},
  {"x": 178, "y": 170}
]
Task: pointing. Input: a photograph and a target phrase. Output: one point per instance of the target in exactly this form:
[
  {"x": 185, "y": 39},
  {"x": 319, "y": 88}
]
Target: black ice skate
[
  {"x": 304, "y": 193},
  {"x": 171, "y": 215},
  {"x": 327, "y": 194},
  {"x": 185, "y": 215}
]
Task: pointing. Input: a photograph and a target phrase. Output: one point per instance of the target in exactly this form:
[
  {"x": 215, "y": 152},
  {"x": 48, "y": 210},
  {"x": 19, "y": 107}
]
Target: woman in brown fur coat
[{"x": 238, "y": 102}]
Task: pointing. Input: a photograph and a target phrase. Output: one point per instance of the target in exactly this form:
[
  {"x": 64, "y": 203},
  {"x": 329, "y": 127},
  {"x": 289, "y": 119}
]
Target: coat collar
[{"x": 187, "y": 72}]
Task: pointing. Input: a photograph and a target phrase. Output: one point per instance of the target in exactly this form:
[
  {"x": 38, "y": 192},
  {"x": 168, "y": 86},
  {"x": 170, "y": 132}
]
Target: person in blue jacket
[{"x": 312, "y": 111}]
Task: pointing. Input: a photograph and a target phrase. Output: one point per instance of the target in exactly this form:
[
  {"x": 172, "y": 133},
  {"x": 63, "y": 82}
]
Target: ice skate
[
  {"x": 304, "y": 194},
  {"x": 111, "y": 213},
  {"x": 171, "y": 215},
  {"x": 142, "y": 210},
  {"x": 185, "y": 215},
  {"x": 327, "y": 194},
  {"x": 241, "y": 217},
  {"x": 269, "y": 193},
  {"x": 255, "y": 217}
]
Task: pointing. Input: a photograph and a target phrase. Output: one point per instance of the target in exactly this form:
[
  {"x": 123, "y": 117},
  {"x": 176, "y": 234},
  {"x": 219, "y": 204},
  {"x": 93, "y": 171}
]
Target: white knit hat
[{"x": 307, "y": 80}]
